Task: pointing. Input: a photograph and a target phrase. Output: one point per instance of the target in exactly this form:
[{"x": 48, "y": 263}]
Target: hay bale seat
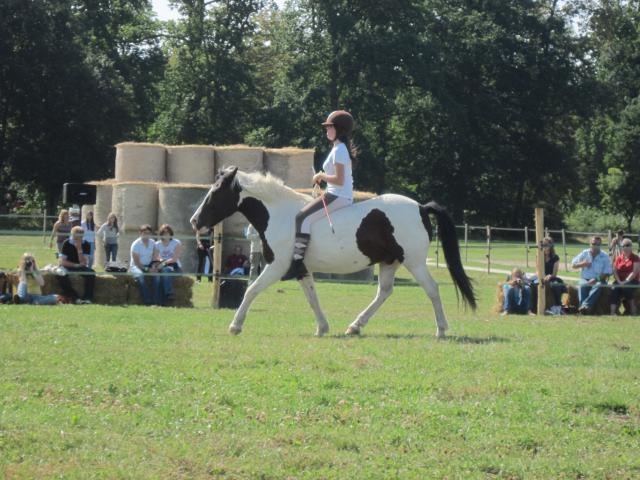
[
  {"x": 247, "y": 159},
  {"x": 120, "y": 289},
  {"x": 569, "y": 299}
]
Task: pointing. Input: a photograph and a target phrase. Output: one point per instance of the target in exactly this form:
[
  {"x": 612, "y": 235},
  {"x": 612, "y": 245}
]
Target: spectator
[
  {"x": 5, "y": 288},
  {"x": 517, "y": 294},
  {"x": 74, "y": 217},
  {"x": 204, "y": 240},
  {"x": 108, "y": 233},
  {"x": 28, "y": 269},
  {"x": 169, "y": 250},
  {"x": 615, "y": 247},
  {"x": 551, "y": 267},
  {"x": 626, "y": 270},
  {"x": 237, "y": 263},
  {"x": 255, "y": 253},
  {"x": 74, "y": 257},
  {"x": 61, "y": 230},
  {"x": 144, "y": 259},
  {"x": 89, "y": 228},
  {"x": 595, "y": 270}
]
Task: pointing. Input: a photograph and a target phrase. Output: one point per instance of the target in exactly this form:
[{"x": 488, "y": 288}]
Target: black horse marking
[
  {"x": 258, "y": 215},
  {"x": 375, "y": 239}
]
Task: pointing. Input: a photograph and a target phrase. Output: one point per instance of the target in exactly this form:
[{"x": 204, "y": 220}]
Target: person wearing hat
[{"x": 339, "y": 193}]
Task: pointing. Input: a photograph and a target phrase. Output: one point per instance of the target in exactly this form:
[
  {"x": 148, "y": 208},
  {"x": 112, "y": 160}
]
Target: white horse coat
[{"x": 390, "y": 230}]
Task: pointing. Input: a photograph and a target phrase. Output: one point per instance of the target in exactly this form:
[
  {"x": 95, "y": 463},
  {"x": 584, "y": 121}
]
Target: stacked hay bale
[
  {"x": 293, "y": 165},
  {"x": 176, "y": 204},
  {"x": 190, "y": 164},
  {"x": 247, "y": 159},
  {"x": 140, "y": 162},
  {"x": 135, "y": 204}
]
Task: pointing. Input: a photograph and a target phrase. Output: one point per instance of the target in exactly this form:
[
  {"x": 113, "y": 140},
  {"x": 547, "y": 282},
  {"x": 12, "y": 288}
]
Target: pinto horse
[{"x": 389, "y": 230}]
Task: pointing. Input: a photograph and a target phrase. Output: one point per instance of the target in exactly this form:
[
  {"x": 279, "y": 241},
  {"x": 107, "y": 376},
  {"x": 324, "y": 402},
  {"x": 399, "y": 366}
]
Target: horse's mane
[{"x": 267, "y": 186}]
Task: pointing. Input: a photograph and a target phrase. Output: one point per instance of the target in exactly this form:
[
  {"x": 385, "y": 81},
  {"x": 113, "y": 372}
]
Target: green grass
[{"x": 114, "y": 392}]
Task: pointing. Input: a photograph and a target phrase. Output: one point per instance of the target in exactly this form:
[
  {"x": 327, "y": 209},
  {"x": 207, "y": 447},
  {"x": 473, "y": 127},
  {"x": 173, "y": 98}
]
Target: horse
[{"x": 389, "y": 230}]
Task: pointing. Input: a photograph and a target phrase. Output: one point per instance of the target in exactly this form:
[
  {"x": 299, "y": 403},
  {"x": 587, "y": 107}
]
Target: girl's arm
[{"x": 337, "y": 179}]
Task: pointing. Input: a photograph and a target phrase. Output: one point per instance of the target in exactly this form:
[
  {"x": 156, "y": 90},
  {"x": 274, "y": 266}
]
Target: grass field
[{"x": 134, "y": 392}]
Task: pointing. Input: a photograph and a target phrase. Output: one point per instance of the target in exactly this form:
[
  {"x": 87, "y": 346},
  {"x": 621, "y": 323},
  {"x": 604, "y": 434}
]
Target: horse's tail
[{"x": 451, "y": 248}]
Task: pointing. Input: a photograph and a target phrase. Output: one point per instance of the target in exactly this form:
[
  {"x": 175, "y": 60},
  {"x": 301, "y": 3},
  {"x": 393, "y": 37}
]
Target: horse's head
[{"x": 221, "y": 201}]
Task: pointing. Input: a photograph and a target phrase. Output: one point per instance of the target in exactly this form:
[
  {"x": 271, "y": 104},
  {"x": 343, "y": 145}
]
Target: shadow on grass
[
  {"x": 413, "y": 336},
  {"x": 476, "y": 340}
]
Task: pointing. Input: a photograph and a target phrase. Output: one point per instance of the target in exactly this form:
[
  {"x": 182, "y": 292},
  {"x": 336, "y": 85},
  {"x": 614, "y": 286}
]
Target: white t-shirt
[
  {"x": 89, "y": 235},
  {"x": 339, "y": 154},
  {"x": 168, "y": 251},
  {"x": 145, "y": 253}
]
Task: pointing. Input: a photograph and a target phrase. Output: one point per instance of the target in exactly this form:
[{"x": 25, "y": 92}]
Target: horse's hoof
[
  {"x": 441, "y": 335},
  {"x": 352, "y": 330},
  {"x": 233, "y": 330},
  {"x": 320, "y": 332}
]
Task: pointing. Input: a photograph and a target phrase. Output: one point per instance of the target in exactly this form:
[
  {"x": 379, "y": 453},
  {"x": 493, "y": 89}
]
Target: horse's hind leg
[
  {"x": 309, "y": 289},
  {"x": 268, "y": 277},
  {"x": 385, "y": 287},
  {"x": 426, "y": 281}
]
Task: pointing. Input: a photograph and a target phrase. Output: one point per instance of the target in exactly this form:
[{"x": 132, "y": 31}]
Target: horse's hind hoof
[
  {"x": 320, "y": 332},
  {"x": 441, "y": 335},
  {"x": 352, "y": 330},
  {"x": 233, "y": 330}
]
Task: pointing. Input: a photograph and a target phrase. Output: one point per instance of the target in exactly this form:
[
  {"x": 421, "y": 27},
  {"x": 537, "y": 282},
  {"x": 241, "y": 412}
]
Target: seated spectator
[
  {"x": 75, "y": 259},
  {"x": 517, "y": 294},
  {"x": 144, "y": 259},
  {"x": 237, "y": 263},
  {"x": 204, "y": 240},
  {"x": 28, "y": 270},
  {"x": 551, "y": 267},
  {"x": 5, "y": 289},
  {"x": 595, "y": 268},
  {"x": 169, "y": 250},
  {"x": 626, "y": 270}
]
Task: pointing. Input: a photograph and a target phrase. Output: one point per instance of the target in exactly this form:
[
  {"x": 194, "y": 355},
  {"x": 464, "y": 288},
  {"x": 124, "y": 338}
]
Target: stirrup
[{"x": 296, "y": 270}]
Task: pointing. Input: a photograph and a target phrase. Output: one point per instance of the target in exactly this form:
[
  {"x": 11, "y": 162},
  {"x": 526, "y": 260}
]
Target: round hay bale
[
  {"x": 135, "y": 203},
  {"x": 102, "y": 208},
  {"x": 140, "y": 162},
  {"x": 293, "y": 165},
  {"x": 190, "y": 164},
  {"x": 247, "y": 159},
  {"x": 176, "y": 204},
  {"x": 235, "y": 225},
  {"x": 124, "y": 245}
]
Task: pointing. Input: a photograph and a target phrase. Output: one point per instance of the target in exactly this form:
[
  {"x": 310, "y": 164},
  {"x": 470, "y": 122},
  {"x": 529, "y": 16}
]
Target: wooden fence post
[
  {"x": 488, "y": 249},
  {"x": 564, "y": 249},
  {"x": 539, "y": 219},
  {"x": 217, "y": 264},
  {"x": 526, "y": 244},
  {"x": 466, "y": 242}
]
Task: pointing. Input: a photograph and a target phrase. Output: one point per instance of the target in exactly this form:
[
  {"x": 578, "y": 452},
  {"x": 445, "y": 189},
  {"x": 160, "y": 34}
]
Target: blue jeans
[
  {"x": 517, "y": 299},
  {"x": 166, "y": 281},
  {"x": 150, "y": 296},
  {"x": 589, "y": 294},
  {"x": 26, "y": 297},
  {"x": 110, "y": 252},
  {"x": 92, "y": 254}
]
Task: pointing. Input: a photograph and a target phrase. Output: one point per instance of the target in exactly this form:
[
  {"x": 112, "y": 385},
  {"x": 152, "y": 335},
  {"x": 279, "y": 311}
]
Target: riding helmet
[{"x": 342, "y": 121}]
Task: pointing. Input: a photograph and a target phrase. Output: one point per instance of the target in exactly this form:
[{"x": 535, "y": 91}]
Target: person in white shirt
[
  {"x": 108, "y": 234},
  {"x": 89, "y": 228},
  {"x": 145, "y": 260},
  {"x": 339, "y": 194},
  {"x": 169, "y": 250}
]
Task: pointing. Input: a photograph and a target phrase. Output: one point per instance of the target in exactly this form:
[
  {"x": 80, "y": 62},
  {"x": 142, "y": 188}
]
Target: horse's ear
[{"x": 230, "y": 175}]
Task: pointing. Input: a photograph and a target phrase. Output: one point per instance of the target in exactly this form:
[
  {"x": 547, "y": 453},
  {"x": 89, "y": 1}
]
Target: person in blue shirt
[{"x": 595, "y": 268}]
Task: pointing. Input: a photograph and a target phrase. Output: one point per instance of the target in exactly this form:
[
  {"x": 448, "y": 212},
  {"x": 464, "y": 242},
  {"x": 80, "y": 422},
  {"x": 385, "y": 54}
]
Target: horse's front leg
[
  {"x": 309, "y": 288},
  {"x": 268, "y": 277}
]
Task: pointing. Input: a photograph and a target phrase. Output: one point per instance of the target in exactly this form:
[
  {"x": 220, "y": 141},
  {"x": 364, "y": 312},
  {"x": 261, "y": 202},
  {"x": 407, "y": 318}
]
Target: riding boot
[{"x": 297, "y": 269}]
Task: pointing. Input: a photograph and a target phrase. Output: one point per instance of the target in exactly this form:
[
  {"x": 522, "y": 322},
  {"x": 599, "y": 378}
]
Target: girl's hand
[{"x": 318, "y": 177}]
